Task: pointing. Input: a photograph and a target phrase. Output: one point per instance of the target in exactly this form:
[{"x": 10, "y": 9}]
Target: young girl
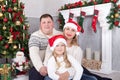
[{"x": 60, "y": 62}]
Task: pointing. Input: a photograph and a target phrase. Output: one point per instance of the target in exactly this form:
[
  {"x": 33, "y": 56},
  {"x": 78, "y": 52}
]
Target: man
[{"x": 37, "y": 45}]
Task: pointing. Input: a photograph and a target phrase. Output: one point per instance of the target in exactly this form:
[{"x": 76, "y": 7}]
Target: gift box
[{"x": 5, "y": 72}]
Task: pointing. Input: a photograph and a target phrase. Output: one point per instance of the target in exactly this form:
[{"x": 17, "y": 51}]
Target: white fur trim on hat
[
  {"x": 56, "y": 43},
  {"x": 70, "y": 25}
]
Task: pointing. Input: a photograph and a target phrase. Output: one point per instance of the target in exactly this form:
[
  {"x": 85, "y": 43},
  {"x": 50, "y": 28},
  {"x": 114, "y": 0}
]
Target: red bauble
[
  {"x": 5, "y": 19},
  {"x": 22, "y": 6},
  {"x": 14, "y": 1},
  {"x": 3, "y": 9},
  {"x": 10, "y": 10},
  {"x": 6, "y": 46},
  {"x": 118, "y": 5},
  {"x": 1, "y": 37},
  {"x": 22, "y": 49},
  {"x": 116, "y": 23}
]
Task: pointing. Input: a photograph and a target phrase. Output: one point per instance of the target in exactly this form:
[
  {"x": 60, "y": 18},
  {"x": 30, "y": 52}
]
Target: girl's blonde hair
[{"x": 65, "y": 58}]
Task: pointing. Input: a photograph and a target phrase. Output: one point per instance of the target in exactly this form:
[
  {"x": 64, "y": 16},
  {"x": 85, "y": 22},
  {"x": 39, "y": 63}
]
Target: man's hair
[{"x": 45, "y": 16}]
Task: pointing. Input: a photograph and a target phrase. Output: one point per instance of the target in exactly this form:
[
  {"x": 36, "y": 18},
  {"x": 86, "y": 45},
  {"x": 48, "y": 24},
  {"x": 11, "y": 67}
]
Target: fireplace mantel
[{"x": 104, "y": 10}]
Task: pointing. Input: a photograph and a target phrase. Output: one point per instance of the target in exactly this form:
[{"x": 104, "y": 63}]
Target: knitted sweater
[{"x": 37, "y": 46}]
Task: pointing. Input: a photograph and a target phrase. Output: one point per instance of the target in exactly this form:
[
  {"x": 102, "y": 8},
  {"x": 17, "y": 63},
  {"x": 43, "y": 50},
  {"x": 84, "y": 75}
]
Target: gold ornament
[
  {"x": 15, "y": 8},
  {"x": 4, "y": 27},
  {"x": 11, "y": 39},
  {"x": 4, "y": 52},
  {"x": 112, "y": 16},
  {"x": 116, "y": 15},
  {"x": 1, "y": 14},
  {"x": 1, "y": 0},
  {"x": 5, "y": 71},
  {"x": 17, "y": 23},
  {"x": 15, "y": 47}
]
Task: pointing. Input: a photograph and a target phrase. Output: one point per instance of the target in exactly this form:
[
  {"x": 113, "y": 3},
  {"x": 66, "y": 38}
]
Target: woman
[{"x": 71, "y": 31}]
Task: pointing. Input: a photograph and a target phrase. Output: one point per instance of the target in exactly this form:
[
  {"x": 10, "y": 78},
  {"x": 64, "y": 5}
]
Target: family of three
[{"x": 56, "y": 55}]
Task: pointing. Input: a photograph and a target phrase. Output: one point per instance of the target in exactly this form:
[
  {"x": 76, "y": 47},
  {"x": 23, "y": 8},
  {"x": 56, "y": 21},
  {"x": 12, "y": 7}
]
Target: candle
[
  {"x": 97, "y": 55},
  {"x": 88, "y": 53}
]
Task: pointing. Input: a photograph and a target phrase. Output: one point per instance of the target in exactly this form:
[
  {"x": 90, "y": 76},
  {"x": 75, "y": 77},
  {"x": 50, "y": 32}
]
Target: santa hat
[
  {"x": 53, "y": 41},
  {"x": 73, "y": 25}
]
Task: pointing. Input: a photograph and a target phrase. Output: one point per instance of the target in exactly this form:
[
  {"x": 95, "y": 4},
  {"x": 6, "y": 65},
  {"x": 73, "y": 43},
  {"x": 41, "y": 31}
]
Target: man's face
[{"x": 46, "y": 25}]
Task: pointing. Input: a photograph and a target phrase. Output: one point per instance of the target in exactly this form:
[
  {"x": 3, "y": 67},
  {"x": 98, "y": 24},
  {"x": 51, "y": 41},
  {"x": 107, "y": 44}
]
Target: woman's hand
[
  {"x": 43, "y": 71},
  {"x": 63, "y": 76}
]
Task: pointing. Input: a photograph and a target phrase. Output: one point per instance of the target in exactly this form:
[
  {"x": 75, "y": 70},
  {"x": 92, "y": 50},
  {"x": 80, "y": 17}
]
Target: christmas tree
[{"x": 13, "y": 29}]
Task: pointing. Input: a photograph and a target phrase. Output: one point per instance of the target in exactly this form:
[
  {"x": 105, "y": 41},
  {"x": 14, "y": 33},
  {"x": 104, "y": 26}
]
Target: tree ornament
[
  {"x": 15, "y": 8},
  {"x": 112, "y": 16},
  {"x": 15, "y": 46},
  {"x": 81, "y": 20},
  {"x": 6, "y": 46},
  {"x": 4, "y": 52},
  {"x": 1, "y": 0},
  {"x": 10, "y": 9},
  {"x": 1, "y": 37},
  {"x": 4, "y": 27},
  {"x": 17, "y": 23},
  {"x": 5, "y": 20},
  {"x": 116, "y": 15},
  {"x": 94, "y": 20},
  {"x": 10, "y": 39},
  {"x": 1, "y": 14}
]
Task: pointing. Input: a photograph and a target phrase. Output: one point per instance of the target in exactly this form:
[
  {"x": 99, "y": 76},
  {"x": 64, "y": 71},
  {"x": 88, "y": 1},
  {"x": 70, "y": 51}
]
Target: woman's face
[
  {"x": 60, "y": 49},
  {"x": 69, "y": 32}
]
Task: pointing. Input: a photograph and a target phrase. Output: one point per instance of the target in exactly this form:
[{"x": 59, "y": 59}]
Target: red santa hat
[
  {"x": 73, "y": 25},
  {"x": 53, "y": 41}
]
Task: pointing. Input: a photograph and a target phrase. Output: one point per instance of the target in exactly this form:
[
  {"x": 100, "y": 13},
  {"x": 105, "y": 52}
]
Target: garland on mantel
[{"x": 113, "y": 17}]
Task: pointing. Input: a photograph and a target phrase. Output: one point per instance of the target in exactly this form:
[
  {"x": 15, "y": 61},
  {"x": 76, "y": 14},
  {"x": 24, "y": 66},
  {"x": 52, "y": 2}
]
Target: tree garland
[{"x": 113, "y": 17}]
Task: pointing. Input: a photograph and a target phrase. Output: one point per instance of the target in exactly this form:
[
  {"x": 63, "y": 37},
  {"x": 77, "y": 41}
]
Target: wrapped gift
[{"x": 5, "y": 71}]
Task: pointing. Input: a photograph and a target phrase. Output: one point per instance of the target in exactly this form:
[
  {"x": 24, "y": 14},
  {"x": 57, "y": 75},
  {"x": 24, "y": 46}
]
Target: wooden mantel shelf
[{"x": 104, "y": 10}]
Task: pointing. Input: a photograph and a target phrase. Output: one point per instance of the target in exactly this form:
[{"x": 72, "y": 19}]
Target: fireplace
[{"x": 106, "y": 42}]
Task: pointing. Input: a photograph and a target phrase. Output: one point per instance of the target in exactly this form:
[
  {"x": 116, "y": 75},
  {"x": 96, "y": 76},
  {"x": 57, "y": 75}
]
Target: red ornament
[
  {"x": 5, "y": 19},
  {"x": 10, "y": 10},
  {"x": 14, "y": 1},
  {"x": 1, "y": 37},
  {"x": 11, "y": 29},
  {"x": 116, "y": 23},
  {"x": 23, "y": 49},
  {"x": 3, "y": 9},
  {"x": 118, "y": 5},
  {"x": 22, "y": 6},
  {"x": 6, "y": 46}
]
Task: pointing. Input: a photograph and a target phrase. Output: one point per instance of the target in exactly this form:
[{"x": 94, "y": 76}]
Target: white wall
[{"x": 35, "y": 8}]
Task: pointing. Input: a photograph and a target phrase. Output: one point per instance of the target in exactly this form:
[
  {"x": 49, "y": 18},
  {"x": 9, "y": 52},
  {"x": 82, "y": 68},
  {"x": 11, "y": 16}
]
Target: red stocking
[{"x": 94, "y": 20}]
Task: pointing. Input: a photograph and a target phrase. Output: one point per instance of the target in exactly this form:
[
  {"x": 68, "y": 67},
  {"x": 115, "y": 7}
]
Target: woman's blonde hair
[{"x": 65, "y": 58}]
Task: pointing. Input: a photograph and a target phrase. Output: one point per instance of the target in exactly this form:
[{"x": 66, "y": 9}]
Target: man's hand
[
  {"x": 43, "y": 71},
  {"x": 64, "y": 76}
]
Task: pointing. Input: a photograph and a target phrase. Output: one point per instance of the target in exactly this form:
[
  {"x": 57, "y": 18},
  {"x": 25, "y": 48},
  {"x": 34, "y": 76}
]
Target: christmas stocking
[
  {"x": 94, "y": 20},
  {"x": 71, "y": 15},
  {"x": 81, "y": 19}
]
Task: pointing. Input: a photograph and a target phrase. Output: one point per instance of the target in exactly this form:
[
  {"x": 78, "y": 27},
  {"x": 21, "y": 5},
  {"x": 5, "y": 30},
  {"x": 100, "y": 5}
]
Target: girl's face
[
  {"x": 69, "y": 32},
  {"x": 60, "y": 49}
]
